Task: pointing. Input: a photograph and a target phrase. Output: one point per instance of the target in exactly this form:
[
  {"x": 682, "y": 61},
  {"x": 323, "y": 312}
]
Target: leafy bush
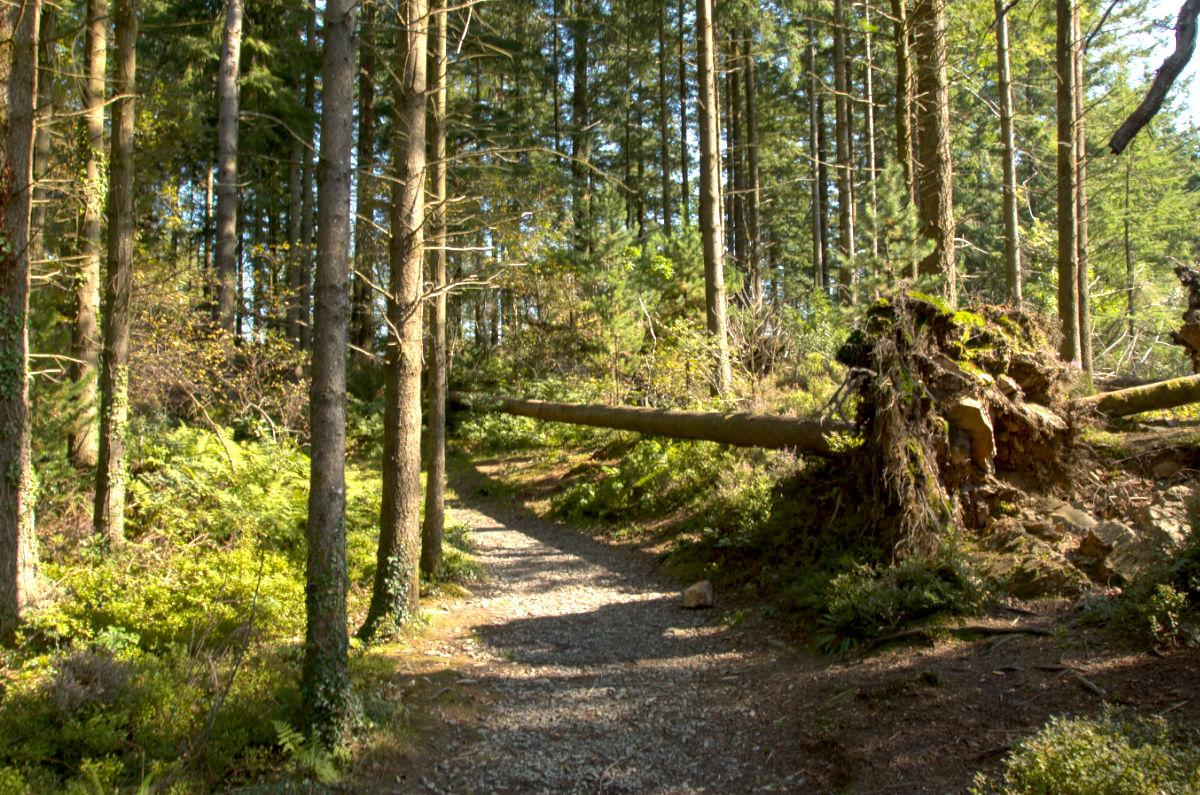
[
  {"x": 1104, "y": 755},
  {"x": 866, "y": 601}
]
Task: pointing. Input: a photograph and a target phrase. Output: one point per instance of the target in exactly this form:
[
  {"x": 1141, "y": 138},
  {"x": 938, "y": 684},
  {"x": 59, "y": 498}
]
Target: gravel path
[{"x": 599, "y": 681}]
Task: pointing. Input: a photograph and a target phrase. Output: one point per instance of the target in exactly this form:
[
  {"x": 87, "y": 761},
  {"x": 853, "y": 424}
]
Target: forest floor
[{"x": 573, "y": 668}]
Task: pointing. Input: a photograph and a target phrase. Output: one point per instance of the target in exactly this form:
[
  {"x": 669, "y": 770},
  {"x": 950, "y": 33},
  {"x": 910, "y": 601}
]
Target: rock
[
  {"x": 1071, "y": 521},
  {"x": 970, "y": 415},
  {"x": 1028, "y": 567},
  {"x": 1008, "y": 387},
  {"x": 1122, "y": 553},
  {"x": 1103, "y": 538},
  {"x": 1165, "y": 523},
  {"x": 1046, "y": 530},
  {"x": 698, "y": 594}
]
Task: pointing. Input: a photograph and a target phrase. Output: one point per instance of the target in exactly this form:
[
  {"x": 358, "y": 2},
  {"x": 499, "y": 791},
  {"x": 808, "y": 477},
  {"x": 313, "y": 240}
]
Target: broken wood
[
  {"x": 1153, "y": 397},
  {"x": 1188, "y": 336},
  {"x": 742, "y": 429}
]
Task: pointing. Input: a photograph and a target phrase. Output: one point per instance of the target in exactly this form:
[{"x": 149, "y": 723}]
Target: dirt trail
[{"x": 573, "y": 669}]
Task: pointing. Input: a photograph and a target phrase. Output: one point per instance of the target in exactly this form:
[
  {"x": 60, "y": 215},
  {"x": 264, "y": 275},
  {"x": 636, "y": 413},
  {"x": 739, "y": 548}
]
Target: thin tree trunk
[
  {"x": 41, "y": 133},
  {"x": 18, "y": 540},
  {"x": 685, "y": 212},
  {"x": 1068, "y": 242},
  {"x": 304, "y": 273},
  {"x": 1130, "y": 286},
  {"x": 557, "y": 90},
  {"x": 435, "y": 480},
  {"x": 710, "y": 196},
  {"x": 295, "y": 256},
  {"x": 753, "y": 191},
  {"x": 869, "y": 88},
  {"x": 904, "y": 101},
  {"x": 329, "y": 700},
  {"x": 823, "y": 195},
  {"x": 1012, "y": 230},
  {"x": 814, "y": 149},
  {"x": 580, "y": 135},
  {"x": 737, "y": 172},
  {"x": 394, "y": 599},
  {"x": 844, "y": 136},
  {"x": 109, "y": 517},
  {"x": 227, "y": 168},
  {"x": 664, "y": 121},
  {"x": 362, "y": 320},
  {"x": 934, "y": 170},
  {"x": 85, "y": 331},
  {"x": 1081, "y": 214}
]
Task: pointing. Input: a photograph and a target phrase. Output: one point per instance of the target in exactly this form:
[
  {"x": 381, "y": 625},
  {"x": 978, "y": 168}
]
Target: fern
[{"x": 308, "y": 755}]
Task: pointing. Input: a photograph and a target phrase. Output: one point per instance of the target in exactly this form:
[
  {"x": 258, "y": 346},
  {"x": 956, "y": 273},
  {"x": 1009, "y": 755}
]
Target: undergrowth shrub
[
  {"x": 1105, "y": 755},
  {"x": 867, "y": 601}
]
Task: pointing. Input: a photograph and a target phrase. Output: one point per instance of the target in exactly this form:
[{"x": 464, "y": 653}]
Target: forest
[{"x": 374, "y": 376}]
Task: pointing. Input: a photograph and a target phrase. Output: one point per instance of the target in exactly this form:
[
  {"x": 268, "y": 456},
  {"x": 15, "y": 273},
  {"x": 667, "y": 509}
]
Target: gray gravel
[{"x": 599, "y": 681}]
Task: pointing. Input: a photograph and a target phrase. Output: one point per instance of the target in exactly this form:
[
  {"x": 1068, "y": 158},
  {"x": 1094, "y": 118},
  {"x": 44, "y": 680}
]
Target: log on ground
[{"x": 742, "y": 429}]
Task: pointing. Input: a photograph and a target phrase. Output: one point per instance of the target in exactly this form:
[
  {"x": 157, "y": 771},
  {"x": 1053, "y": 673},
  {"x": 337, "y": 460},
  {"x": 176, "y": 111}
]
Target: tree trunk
[
  {"x": 554, "y": 65},
  {"x": 685, "y": 212},
  {"x": 18, "y": 541},
  {"x": 435, "y": 480},
  {"x": 934, "y": 171},
  {"x": 1152, "y": 397},
  {"x": 904, "y": 101},
  {"x": 41, "y": 133},
  {"x": 304, "y": 275},
  {"x": 753, "y": 188},
  {"x": 1130, "y": 286},
  {"x": 85, "y": 331},
  {"x": 1081, "y": 214},
  {"x": 710, "y": 196},
  {"x": 109, "y": 517},
  {"x": 227, "y": 168},
  {"x": 329, "y": 700},
  {"x": 869, "y": 89},
  {"x": 844, "y": 136},
  {"x": 580, "y": 135},
  {"x": 1068, "y": 242},
  {"x": 1012, "y": 230},
  {"x": 747, "y": 430},
  {"x": 814, "y": 148},
  {"x": 394, "y": 599},
  {"x": 362, "y": 319},
  {"x": 295, "y": 256},
  {"x": 664, "y": 120}
]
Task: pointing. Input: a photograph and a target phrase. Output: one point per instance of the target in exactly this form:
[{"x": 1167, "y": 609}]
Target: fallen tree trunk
[
  {"x": 742, "y": 429},
  {"x": 1152, "y": 397}
]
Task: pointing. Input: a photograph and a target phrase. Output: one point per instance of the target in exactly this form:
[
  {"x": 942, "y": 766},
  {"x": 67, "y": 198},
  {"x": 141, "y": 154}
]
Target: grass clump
[{"x": 1104, "y": 755}]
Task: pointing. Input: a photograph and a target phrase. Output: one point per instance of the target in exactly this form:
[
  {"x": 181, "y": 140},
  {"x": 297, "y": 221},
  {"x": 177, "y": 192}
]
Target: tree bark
[
  {"x": 1012, "y": 229},
  {"x": 843, "y": 137},
  {"x": 227, "y": 168},
  {"x": 394, "y": 599},
  {"x": 664, "y": 120},
  {"x": 41, "y": 132},
  {"x": 753, "y": 188},
  {"x": 18, "y": 541},
  {"x": 1081, "y": 210},
  {"x": 362, "y": 319},
  {"x": 904, "y": 100},
  {"x": 710, "y": 197},
  {"x": 1068, "y": 241},
  {"x": 580, "y": 134},
  {"x": 869, "y": 90},
  {"x": 746, "y": 430},
  {"x": 435, "y": 479},
  {"x": 685, "y": 211},
  {"x": 934, "y": 170},
  {"x": 329, "y": 700},
  {"x": 85, "y": 330},
  {"x": 817, "y": 209},
  {"x": 109, "y": 516}
]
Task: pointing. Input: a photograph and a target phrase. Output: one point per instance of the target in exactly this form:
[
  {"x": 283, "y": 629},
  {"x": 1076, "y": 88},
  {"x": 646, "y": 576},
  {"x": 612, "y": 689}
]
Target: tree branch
[{"x": 1185, "y": 43}]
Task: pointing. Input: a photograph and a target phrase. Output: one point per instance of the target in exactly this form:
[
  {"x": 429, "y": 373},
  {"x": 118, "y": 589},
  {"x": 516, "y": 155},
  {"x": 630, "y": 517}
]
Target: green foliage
[
  {"x": 866, "y": 601},
  {"x": 308, "y": 756},
  {"x": 1105, "y": 755}
]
